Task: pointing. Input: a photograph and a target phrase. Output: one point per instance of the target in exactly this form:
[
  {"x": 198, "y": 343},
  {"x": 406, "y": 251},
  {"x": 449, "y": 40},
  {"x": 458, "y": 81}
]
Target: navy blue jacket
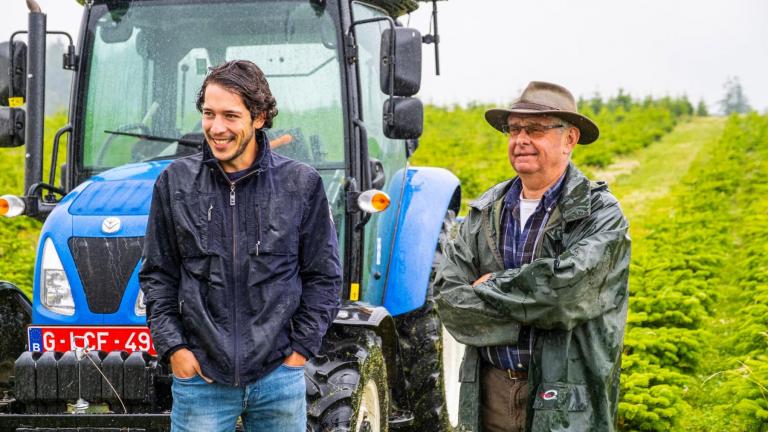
[{"x": 240, "y": 273}]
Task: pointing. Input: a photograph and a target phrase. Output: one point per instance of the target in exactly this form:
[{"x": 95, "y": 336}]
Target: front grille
[{"x": 104, "y": 266}]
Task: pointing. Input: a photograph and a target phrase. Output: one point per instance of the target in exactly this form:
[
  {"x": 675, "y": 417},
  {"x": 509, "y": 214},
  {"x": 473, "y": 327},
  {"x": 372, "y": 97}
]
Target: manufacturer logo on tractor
[
  {"x": 110, "y": 225},
  {"x": 549, "y": 395}
]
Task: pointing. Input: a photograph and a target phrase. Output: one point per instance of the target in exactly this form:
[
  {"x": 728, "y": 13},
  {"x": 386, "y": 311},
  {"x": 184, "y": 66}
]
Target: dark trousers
[{"x": 504, "y": 401}]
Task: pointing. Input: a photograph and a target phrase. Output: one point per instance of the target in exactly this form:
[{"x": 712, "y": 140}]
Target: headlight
[
  {"x": 141, "y": 306},
  {"x": 55, "y": 293}
]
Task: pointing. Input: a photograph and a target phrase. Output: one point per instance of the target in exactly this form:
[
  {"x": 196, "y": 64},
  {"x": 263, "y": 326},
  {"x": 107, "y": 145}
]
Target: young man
[
  {"x": 241, "y": 272},
  {"x": 535, "y": 282}
]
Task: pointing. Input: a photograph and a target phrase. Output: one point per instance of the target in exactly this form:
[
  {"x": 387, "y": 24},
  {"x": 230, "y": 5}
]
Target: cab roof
[{"x": 394, "y": 8}]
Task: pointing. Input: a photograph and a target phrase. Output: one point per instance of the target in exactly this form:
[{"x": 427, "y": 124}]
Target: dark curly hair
[{"x": 243, "y": 78}]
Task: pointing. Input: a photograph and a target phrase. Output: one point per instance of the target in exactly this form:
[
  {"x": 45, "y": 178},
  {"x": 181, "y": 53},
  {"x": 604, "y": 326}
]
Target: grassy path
[{"x": 643, "y": 181}]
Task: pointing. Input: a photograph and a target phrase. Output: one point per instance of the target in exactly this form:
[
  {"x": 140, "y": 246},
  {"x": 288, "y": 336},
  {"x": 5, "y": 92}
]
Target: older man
[{"x": 535, "y": 281}]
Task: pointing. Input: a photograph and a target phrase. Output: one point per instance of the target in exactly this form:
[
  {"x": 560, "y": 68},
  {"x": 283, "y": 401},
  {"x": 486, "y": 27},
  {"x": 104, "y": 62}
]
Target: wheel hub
[
  {"x": 453, "y": 351},
  {"x": 369, "y": 415}
]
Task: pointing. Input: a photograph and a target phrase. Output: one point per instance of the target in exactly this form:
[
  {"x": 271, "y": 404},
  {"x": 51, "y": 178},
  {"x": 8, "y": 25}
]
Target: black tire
[
  {"x": 345, "y": 380},
  {"x": 421, "y": 353},
  {"x": 421, "y": 348},
  {"x": 15, "y": 315}
]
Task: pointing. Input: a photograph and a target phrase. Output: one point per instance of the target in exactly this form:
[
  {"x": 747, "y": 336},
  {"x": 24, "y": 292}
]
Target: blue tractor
[{"x": 344, "y": 72}]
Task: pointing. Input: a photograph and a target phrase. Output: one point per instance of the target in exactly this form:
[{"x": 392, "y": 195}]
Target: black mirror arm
[
  {"x": 389, "y": 117},
  {"x": 70, "y": 58}
]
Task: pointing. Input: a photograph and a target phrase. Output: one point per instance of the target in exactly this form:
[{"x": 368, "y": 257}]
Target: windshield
[{"x": 149, "y": 60}]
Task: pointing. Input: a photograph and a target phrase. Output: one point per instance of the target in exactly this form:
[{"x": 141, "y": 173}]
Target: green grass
[
  {"x": 730, "y": 392},
  {"x": 460, "y": 139},
  {"x": 19, "y": 236},
  {"x": 695, "y": 357}
]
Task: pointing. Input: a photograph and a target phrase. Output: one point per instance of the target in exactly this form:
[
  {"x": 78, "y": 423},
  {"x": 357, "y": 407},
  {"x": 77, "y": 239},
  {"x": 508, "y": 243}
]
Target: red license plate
[{"x": 58, "y": 338}]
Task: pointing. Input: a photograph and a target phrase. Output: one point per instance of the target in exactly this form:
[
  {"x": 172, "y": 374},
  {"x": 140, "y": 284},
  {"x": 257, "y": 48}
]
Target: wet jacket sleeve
[
  {"x": 585, "y": 281},
  {"x": 466, "y": 315},
  {"x": 159, "y": 275},
  {"x": 319, "y": 271}
]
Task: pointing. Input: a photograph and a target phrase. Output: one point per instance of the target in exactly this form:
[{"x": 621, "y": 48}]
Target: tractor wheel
[
  {"x": 347, "y": 386},
  {"x": 15, "y": 315},
  {"x": 431, "y": 359}
]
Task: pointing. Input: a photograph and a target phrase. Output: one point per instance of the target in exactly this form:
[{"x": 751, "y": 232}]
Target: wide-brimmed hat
[{"x": 543, "y": 98}]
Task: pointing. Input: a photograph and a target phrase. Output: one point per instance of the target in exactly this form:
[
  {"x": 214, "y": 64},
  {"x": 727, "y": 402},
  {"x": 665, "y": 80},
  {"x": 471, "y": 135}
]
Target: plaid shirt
[{"x": 517, "y": 246}]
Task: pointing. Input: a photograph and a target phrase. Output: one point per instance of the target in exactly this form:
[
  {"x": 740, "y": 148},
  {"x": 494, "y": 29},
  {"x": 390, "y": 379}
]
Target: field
[
  {"x": 18, "y": 236},
  {"x": 695, "y": 190}
]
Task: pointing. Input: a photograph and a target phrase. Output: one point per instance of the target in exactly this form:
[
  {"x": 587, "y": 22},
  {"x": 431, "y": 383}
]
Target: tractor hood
[
  {"x": 97, "y": 231},
  {"x": 126, "y": 190},
  {"x": 124, "y": 193}
]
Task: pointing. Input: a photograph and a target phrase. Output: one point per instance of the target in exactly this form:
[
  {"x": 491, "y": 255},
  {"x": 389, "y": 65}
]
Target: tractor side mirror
[
  {"x": 406, "y": 57},
  {"x": 405, "y": 120},
  {"x": 13, "y": 73},
  {"x": 12, "y": 122}
]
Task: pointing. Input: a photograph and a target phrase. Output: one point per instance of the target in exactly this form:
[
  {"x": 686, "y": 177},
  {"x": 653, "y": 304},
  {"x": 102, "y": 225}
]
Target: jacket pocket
[
  {"x": 196, "y": 217},
  {"x": 561, "y": 397},
  {"x": 274, "y": 224}
]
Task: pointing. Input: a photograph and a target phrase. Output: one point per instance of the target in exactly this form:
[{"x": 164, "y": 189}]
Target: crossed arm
[{"x": 580, "y": 284}]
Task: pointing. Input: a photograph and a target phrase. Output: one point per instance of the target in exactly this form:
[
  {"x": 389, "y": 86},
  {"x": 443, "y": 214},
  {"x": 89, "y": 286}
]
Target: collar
[
  {"x": 574, "y": 200},
  {"x": 512, "y": 197}
]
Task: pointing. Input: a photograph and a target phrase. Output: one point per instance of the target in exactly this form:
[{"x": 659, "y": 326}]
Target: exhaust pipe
[{"x": 33, "y": 168}]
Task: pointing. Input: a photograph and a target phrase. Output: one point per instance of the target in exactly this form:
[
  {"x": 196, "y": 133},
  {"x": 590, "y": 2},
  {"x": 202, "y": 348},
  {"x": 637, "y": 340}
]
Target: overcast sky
[{"x": 492, "y": 48}]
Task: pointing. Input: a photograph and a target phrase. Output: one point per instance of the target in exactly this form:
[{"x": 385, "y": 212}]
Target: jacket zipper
[
  {"x": 550, "y": 225},
  {"x": 258, "y": 229},
  {"x": 234, "y": 280},
  {"x": 232, "y": 185}
]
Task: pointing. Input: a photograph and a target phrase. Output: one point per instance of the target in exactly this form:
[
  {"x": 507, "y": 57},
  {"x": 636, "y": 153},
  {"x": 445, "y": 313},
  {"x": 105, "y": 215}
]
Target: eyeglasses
[{"x": 533, "y": 130}]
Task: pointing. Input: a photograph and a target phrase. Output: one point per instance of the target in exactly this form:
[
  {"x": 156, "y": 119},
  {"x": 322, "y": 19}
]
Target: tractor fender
[
  {"x": 427, "y": 194},
  {"x": 381, "y": 322}
]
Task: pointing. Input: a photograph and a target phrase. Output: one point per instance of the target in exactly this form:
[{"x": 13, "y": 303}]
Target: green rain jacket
[{"x": 574, "y": 293}]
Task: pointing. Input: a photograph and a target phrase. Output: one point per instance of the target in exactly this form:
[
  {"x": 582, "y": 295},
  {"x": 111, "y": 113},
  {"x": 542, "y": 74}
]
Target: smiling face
[
  {"x": 538, "y": 149},
  {"x": 229, "y": 128}
]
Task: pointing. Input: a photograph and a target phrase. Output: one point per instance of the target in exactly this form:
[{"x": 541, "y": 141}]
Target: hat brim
[{"x": 587, "y": 128}]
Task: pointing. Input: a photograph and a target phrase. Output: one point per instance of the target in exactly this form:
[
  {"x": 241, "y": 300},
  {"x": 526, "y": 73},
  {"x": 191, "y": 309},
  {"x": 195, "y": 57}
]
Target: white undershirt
[{"x": 527, "y": 207}]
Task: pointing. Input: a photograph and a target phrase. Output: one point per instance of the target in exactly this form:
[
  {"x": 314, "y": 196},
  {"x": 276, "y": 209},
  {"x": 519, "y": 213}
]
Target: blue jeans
[{"x": 276, "y": 402}]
